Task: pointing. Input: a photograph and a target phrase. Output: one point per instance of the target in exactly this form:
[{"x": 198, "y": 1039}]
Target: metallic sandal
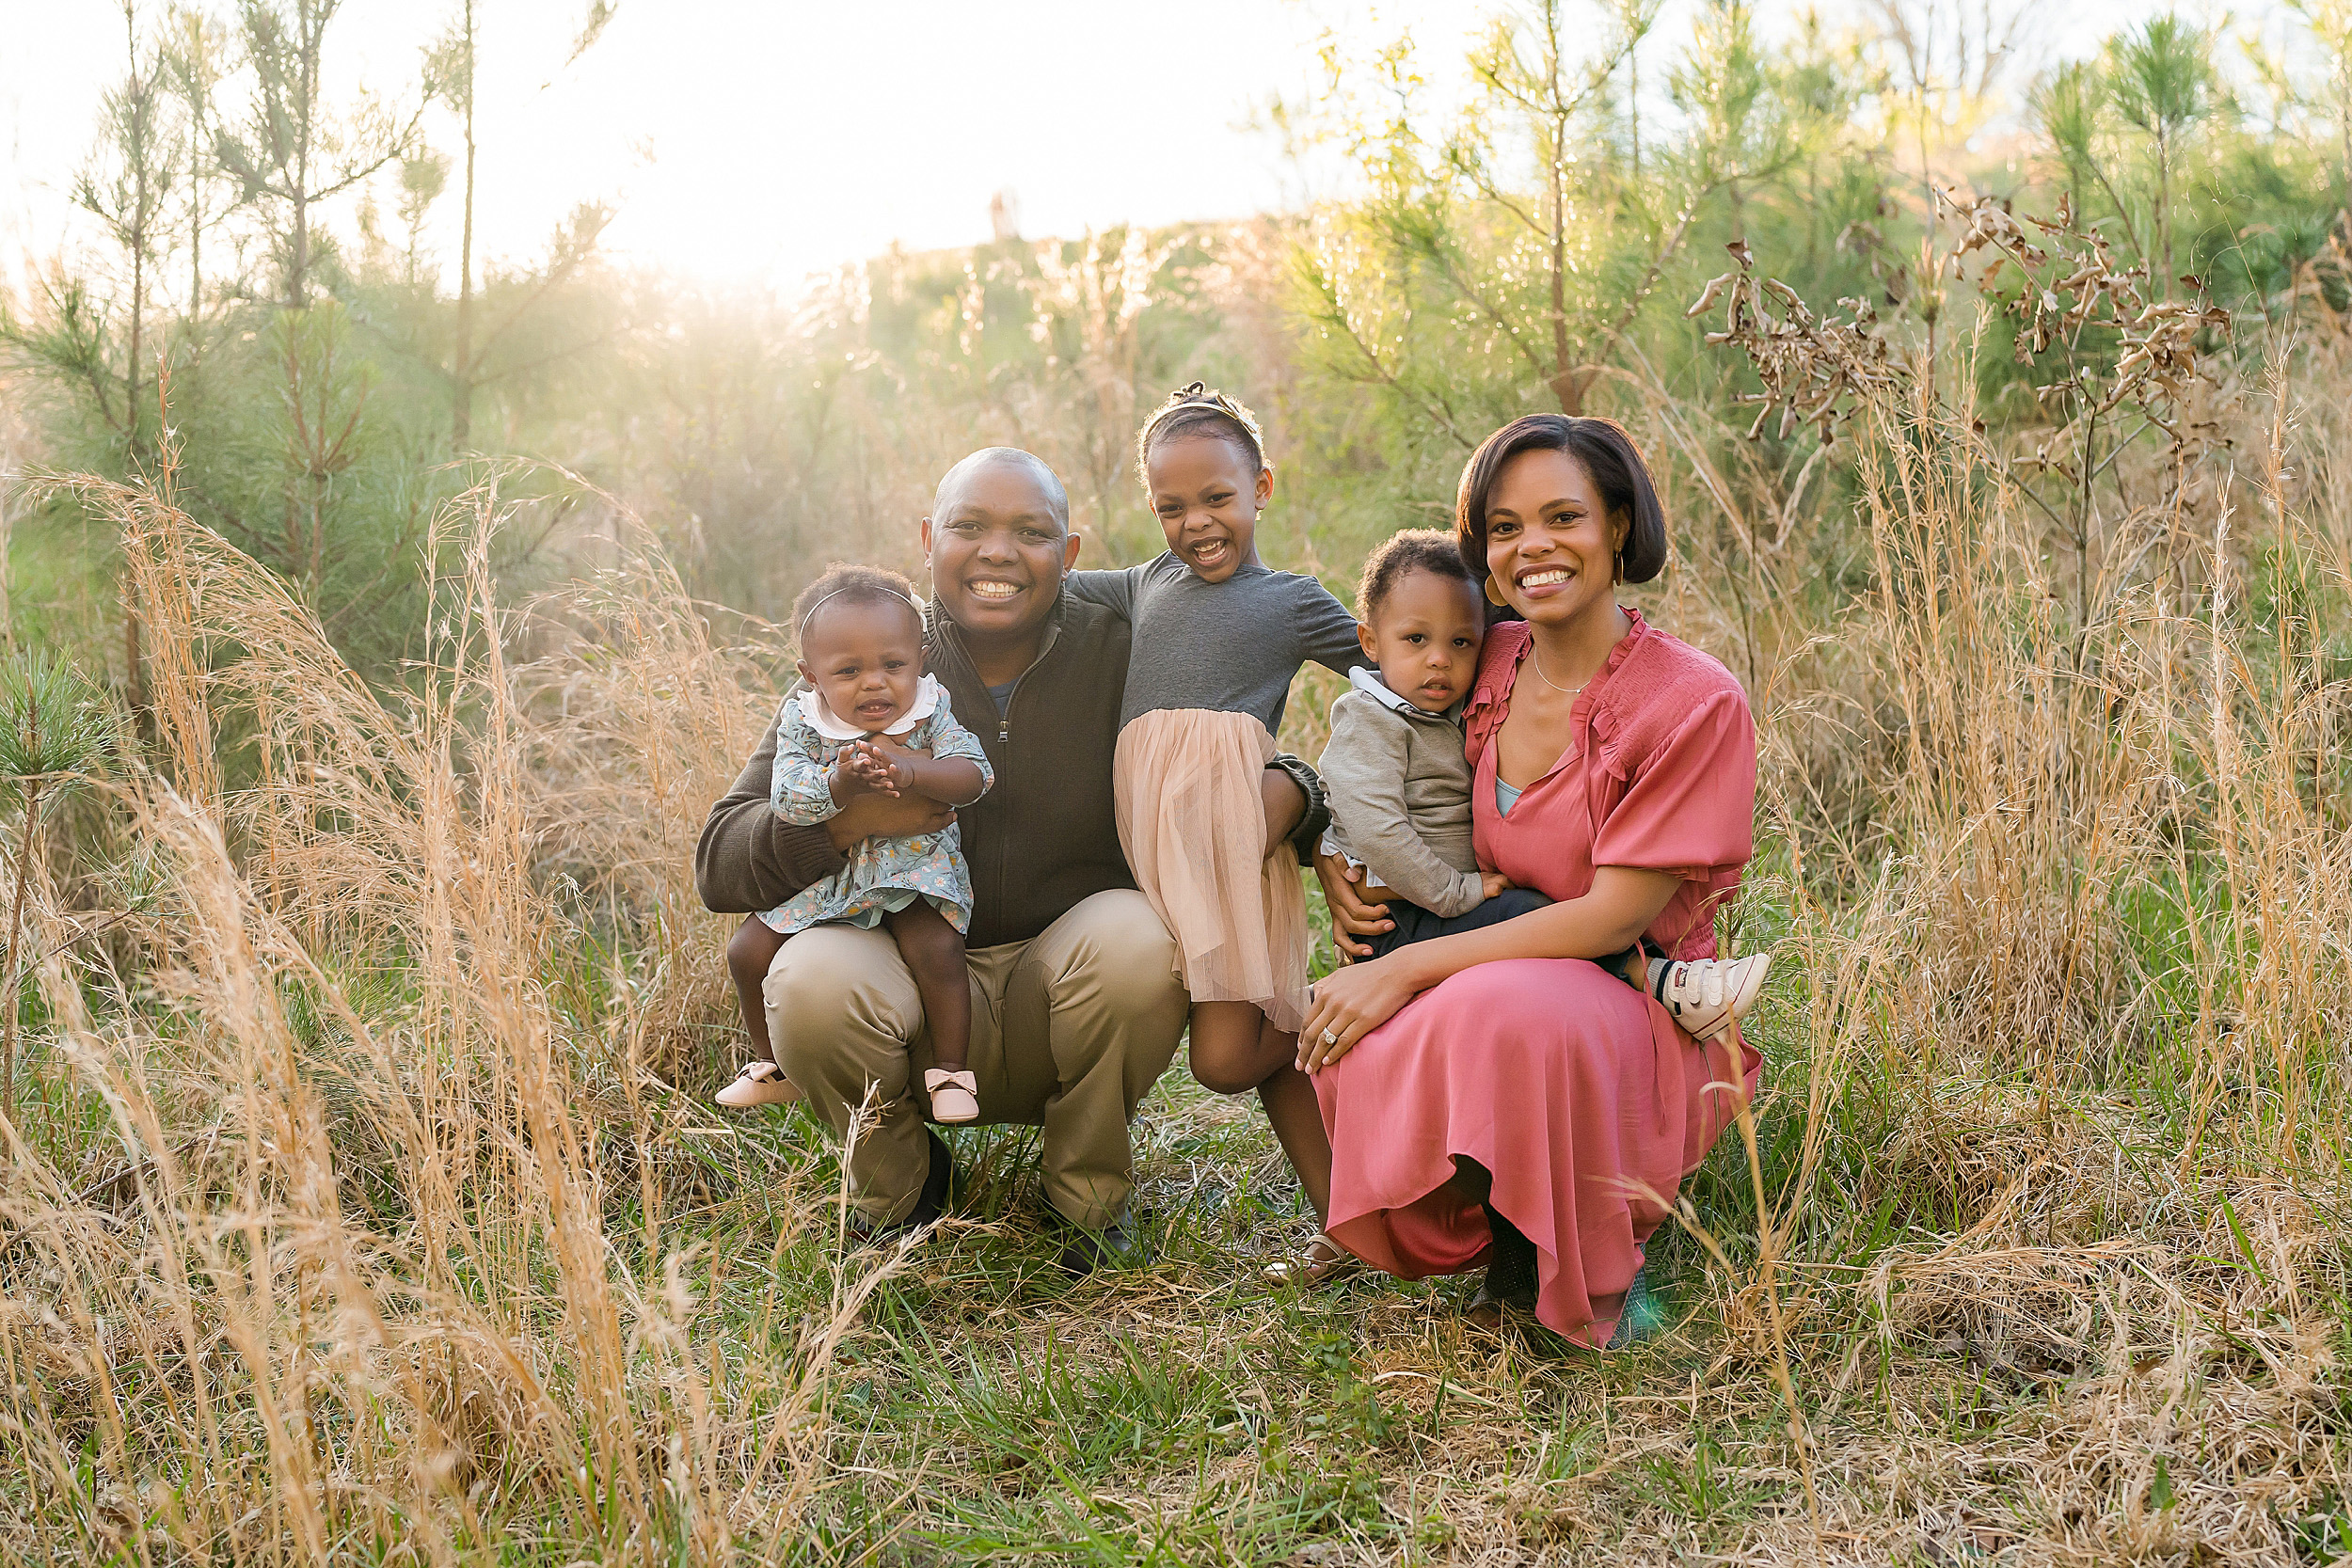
[
  {"x": 1320, "y": 1261},
  {"x": 1639, "y": 1320}
]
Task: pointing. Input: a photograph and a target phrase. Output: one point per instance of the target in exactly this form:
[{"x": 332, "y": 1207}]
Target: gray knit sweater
[{"x": 1400, "y": 792}]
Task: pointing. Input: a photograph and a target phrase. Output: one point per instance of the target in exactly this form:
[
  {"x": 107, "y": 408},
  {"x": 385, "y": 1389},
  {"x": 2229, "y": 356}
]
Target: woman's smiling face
[
  {"x": 1551, "y": 545},
  {"x": 1208, "y": 500}
]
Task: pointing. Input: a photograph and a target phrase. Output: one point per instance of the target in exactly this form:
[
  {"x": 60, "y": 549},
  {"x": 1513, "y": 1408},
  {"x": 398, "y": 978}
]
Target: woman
[{"x": 1495, "y": 1094}]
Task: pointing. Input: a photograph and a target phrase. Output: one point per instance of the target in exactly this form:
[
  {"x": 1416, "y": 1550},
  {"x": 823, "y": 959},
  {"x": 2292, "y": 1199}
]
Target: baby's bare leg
[
  {"x": 750, "y": 951},
  {"x": 934, "y": 949}
]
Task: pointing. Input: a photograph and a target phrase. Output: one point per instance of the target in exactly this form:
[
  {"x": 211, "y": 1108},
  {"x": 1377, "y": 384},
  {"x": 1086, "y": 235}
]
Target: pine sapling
[{"x": 53, "y": 729}]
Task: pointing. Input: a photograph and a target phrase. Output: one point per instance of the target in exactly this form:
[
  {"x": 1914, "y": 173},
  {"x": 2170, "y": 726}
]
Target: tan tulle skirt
[{"x": 1192, "y": 821}]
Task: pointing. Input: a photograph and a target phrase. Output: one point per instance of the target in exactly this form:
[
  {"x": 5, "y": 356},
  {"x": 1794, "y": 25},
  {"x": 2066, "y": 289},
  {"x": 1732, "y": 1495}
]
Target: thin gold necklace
[{"x": 1538, "y": 654}]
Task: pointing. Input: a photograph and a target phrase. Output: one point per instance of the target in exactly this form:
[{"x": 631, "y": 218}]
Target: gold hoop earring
[{"x": 1493, "y": 597}]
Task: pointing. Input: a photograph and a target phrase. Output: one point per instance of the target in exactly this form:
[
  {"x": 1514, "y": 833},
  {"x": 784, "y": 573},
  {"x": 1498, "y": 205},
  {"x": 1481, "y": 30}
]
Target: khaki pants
[{"x": 1069, "y": 1031}]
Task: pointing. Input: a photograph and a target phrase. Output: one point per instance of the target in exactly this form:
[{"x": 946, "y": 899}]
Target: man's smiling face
[{"x": 999, "y": 541}]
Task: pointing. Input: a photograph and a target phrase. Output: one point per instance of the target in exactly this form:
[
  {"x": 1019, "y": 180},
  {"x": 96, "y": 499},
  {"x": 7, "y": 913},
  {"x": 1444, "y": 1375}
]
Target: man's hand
[
  {"x": 866, "y": 816},
  {"x": 1493, "y": 882},
  {"x": 1285, "y": 806},
  {"x": 1353, "y": 921}
]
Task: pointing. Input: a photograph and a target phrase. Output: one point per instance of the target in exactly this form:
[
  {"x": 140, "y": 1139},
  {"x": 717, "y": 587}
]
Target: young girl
[
  {"x": 1217, "y": 637},
  {"x": 867, "y": 720}
]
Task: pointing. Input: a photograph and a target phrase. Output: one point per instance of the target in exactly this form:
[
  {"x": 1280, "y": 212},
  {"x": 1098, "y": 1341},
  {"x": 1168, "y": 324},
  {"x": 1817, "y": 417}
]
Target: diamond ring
[{"x": 1331, "y": 1037}]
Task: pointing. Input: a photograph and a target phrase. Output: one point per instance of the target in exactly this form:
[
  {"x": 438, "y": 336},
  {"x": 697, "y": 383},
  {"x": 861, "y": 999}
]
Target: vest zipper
[
  {"x": 1004, "y": 720},
  {"x": 1004, "y": 737}
]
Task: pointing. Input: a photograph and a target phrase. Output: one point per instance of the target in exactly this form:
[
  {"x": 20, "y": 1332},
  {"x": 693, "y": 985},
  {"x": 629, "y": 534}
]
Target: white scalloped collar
[{"x": 820, "y": 718}]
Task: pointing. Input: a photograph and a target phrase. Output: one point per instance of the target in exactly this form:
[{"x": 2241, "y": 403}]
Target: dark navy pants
[{"x": 1415, "y": 924}]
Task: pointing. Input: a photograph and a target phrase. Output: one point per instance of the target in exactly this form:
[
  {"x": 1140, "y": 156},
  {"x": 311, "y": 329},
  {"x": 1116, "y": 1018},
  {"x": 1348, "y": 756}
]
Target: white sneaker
[
  {"x": 759, "y": 1083},
  {"x": 1705, "y": 995}
]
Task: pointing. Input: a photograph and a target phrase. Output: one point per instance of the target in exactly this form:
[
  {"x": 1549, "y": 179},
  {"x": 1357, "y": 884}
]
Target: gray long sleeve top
[
  {"x": 1400, "y": 791},
  {"x": 1229, "y": 647}
]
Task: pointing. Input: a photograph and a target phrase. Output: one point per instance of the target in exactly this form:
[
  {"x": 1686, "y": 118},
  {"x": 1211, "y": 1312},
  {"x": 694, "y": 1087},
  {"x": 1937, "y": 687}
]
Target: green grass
[{"x": 985, "y": 1407}]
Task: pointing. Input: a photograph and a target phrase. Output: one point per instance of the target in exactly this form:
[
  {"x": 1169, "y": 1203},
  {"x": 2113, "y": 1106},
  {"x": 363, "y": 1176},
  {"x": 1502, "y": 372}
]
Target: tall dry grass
[
  {"x": 358, "y": 1213},
  {"x": 2072, "y": 893},
  {"x": 332, "y": 1265}
]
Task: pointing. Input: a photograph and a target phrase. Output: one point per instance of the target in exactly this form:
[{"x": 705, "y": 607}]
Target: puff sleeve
[
  {"x": 944, "y": 737},
  {"x": 1689, "y": 806}
]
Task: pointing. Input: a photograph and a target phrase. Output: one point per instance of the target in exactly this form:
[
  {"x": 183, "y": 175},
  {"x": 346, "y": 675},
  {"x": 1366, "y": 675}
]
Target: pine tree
[
  {"x": 450, "y": 68},
  {"x": 195, "y": 58},
  {"x": 53, "y": 729},
  {"x": 296, "y": 151},
  {"x": 2163, "y": 83}
]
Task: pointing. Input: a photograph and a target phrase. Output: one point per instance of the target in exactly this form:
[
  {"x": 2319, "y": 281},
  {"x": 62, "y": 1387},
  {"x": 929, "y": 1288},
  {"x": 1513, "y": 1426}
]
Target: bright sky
[{"x": 756, "y": 142}]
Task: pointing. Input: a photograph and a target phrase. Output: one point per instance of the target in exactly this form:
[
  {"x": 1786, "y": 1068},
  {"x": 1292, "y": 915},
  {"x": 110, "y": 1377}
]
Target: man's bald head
[
  {"x": 997, "y": 542},
  {"x": 987, "y": 458}
]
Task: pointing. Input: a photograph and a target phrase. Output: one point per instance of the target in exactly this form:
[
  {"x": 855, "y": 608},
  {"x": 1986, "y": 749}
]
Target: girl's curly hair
[
  {"x": 852, "y": 585},
  {"x": 1197, "y": 410}
]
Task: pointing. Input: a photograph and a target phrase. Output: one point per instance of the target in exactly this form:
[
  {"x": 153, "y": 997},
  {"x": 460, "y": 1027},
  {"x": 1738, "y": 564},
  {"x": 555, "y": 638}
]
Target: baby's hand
[
  {"x": 1491, "y": 883},
  {"x": 883, "y": 772},
  {"x": 861, "y": 769},
  {"x": 899, "y": 758}
]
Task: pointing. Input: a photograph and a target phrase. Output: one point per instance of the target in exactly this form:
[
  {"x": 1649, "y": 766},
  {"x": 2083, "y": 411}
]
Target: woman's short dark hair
[
  {"x": 1609, "y": 456},
  {"x": 1414, "y": 550}
]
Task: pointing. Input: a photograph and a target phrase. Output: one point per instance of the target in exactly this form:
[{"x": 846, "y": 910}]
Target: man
[{"x": 1075, "y": 1009}]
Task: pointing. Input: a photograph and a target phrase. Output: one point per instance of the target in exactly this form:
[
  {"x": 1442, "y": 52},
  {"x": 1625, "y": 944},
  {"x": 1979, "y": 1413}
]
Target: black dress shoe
[
  {"x": 1114, "y": 1246},
  {"x": 929, "y": 1204}
]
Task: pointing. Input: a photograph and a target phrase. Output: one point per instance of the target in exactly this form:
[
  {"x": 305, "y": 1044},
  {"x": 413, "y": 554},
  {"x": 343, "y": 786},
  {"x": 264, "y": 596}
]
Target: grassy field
[{"x": 364, "y": 1202}]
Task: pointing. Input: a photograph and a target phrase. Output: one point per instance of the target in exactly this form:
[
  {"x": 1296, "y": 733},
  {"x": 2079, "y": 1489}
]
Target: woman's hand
[
  {"x": 1353, "y": 920},
  {"x": 1349, "y": 1004}
]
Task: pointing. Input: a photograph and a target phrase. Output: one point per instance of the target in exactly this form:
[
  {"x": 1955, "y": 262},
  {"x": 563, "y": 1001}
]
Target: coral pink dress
[{"x": 1577, "y": 1091}]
